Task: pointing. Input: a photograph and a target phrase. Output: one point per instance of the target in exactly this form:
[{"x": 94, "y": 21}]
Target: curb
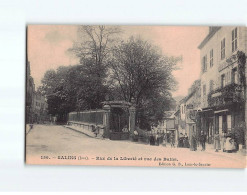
[{"x": 82, "y": 132}]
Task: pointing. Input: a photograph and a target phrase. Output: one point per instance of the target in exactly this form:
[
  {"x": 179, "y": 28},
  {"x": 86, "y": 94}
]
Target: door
[
  {"x": 119, "y": 119},
  {"x": 220, "y": 125}
]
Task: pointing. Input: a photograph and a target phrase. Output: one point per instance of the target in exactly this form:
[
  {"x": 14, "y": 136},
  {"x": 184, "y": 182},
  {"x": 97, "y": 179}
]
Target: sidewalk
[
  {"x": 210, "y": 149},
  {"x": 84, "y": 131}
]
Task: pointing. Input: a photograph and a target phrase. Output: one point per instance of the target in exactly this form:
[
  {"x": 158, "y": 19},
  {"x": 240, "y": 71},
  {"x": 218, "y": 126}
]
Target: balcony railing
[{"x": 225, "y": 96}]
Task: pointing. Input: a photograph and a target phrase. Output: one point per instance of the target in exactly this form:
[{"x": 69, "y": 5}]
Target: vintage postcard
[{"x": 162, "y": 96}]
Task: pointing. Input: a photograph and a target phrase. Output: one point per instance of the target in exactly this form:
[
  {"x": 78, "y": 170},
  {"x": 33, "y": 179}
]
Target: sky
[{"x": 48, "y": 45}]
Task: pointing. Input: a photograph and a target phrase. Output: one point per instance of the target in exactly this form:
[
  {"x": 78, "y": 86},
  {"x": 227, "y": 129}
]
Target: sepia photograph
[{"x": 149, "y": 96}]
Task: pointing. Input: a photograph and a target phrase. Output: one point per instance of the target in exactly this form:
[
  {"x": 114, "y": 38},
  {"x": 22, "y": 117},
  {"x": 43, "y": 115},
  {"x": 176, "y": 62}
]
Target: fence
[
  {"x": 88, "y": 120},
  {"x": 93, "y": 117}
]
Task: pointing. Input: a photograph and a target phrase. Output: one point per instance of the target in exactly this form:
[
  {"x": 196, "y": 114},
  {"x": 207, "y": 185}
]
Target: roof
[
  {"x": 209, "y": 36},
  {"x": 185, "y": 99}
]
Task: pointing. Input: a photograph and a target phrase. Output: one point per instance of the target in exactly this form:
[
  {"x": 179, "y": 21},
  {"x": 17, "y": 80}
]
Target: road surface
[{"x": 53, "y": 144}]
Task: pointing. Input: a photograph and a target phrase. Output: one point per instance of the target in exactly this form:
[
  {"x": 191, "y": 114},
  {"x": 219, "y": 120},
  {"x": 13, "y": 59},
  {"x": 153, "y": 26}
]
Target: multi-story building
[
  {"x": 223, "y": 83},
  {"x": 30, "y": 89},
  {"x": 39, "y": 108},
  {"x": 187, "y": 109},
  {"x": 36, "y": 105}
]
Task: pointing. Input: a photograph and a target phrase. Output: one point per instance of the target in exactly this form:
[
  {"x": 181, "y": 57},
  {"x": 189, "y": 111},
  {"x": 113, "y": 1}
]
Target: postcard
[{"x": 152, "y": 96}]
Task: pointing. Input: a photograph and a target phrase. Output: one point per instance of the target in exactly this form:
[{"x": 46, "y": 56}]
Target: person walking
[
  {"x": 203, "y": 141},
  {"x": 217, "y": 142},
  {"x": 172, "y": 140},
  {"x": 193, "y": 142},
  {"x": 157, "y": 141},
  {"x": 152, "y": 140},
  {"x": 186, "y": 141}
]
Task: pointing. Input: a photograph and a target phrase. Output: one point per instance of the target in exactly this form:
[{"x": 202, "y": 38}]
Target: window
[
  {"x": 211, "y": 87},
  {"x": 234, "y": 76},
  {"x": 204, "y": 90},
  {"x": 223, "y": 47},
  {"x": 211, "y": 58},
  {"x": 234, "y": 39},
  {"x": 204, "y": 63},
  {"x": 223, "y": 80}
]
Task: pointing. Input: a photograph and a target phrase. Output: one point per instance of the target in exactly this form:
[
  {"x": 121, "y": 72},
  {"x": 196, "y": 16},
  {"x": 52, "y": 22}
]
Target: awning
[
  {"x": 205, "y": 110},
  {"x": 219, "y": 111},
  {"x": 206, "y": 113}
]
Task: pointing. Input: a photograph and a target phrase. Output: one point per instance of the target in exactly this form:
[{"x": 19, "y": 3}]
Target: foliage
[
  {"x": 139, "y": 71},
  {"x": 128, "y": 70},
  {"x": 72, "y": 88},
  {"x": 239, "y": 132},
  {"x": 241, "y": 65},
  {"x": 230, "y": 92}
]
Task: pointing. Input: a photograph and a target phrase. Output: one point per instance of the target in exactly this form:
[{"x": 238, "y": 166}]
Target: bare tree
[{"x": 94, "y": 42}]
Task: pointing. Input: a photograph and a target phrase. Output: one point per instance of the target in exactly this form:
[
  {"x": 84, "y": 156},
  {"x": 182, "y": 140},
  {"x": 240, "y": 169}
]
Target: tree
[
  {"x": 94, "y": 48},
  {"x": 141, "y": 72},
  {"x": 72, "y": 88},
  {"x": 60, "y": 96},
  {"x": 94, "y": 44}
]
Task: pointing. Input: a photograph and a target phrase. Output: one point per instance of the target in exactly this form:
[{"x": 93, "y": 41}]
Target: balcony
[{"x": 227, "y": 95}]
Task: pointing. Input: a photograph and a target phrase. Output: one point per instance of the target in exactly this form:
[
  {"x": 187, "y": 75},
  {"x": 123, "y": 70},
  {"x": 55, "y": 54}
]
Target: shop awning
[
  {"x": 206, "y": 113},
  {"x": 219, "y": 111},
  {"x": 205, "y": 110}
]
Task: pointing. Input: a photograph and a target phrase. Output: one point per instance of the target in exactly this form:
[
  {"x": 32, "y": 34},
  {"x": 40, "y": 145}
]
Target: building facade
[
  {"x": 36, "y": 105},
  {"x": 30, "y": 89},
  {"x": 39, "y": 108},
  {"x": 223, "y": 83},
  {"x": 187, "y": 110}
]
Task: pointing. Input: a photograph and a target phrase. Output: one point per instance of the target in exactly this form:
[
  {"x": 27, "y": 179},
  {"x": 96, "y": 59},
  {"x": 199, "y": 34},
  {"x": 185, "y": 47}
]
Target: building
[
  {"x": 187, "y": 110},
  {"x": 30, "y": 89},
  {"x": 39, "y": 108},
  {"x": 168, "y": 126},
  {"x": 36, "y": 105},
  {"x": 223, "y": 83}
]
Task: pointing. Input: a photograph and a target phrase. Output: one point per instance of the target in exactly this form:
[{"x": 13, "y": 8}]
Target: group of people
[
  {"x": 157, "y": 137},
  {"x": 183, "y": 141},
  {"x": 226, "y": 142},
  {"x": 202, "y": 140}
]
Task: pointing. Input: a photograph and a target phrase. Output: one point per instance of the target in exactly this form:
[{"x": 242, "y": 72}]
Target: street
[{"x": 53, "y": 144}]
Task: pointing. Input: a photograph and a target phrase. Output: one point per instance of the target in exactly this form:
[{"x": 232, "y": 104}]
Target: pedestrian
[
  {"x": 164, "y": 139},
  {"x": 157, "y": 139},
  {"x": 96, "y": 131},
  {"x": 152, "y": 140},
  {"x": 230, "y": 144},
  {"x": 93, "y": 128},
  {"x": 223, "y": 141},
  {"x": 186, "y": 141},
  {"x": 193, "y": 142},
  {"x": 181, "y": 141},
  {"x": 217, "y": 142},
  {"x": 203, "y": 141},
  {"x": 172, "y": 140},
  {"x": 135, "y": 136}
]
